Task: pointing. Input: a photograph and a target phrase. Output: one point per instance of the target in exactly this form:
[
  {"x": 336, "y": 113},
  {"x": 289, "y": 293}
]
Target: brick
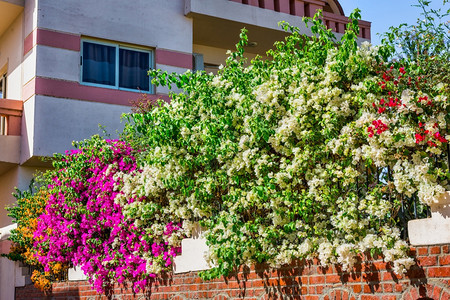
[
  {"x": 446, "y": 249},
  {"x": 304, "y": 290},
  {"x": 325, "y": 270},
  {"x": 427, "y": 261},
  {"x": 390, "y": 276},
  {"x": 380, "y": 265},
  {"x": 367, "y": 289},
  {"x": 388, "y": 288},
  {"x": 414, "y": 293},
  {"x": 319, "y": 289},
  {"x": 357, "y": 289},
  {"x": 373, "y": 288},
  {"x": 316, "y": 279},
  {"x": 434, "y": 250},
  {"x": 369, "y": 297},
  {"x": 439, "y": 272},
  {"x": 408, "y": 297},
  {"x": 422, "y": 250},
  {"x": 332, "y": 278},
  {"x": 389, "y": 297},
  {"x": 258, "y": 283},
  {"x": 445, "y": 296},
  {"x": 444, "y": 260},
  {"x": 309, "y": 297},
  {"x": 436, "y": 292}
]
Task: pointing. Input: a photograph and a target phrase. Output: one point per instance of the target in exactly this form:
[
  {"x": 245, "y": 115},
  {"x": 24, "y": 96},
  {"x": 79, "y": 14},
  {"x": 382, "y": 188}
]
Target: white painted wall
[
  {"x": 30, "y": 19},
  {"x": 246, "y": 14},
  {"x": 29, "y": 66},
  {"x": 169, "y": 69},
  {"x": 27, "y": 130},
  {"x": 152, "y": 23},
  {"x": 58, "y": 122},
  {"x": 7, "y": 278},
  {"x": 10, "y": 271},
  {"x": 20, "y": 177},
  {"x": 58, "y": 63},
  {"x": 215, "y": 55},
  {"x": 9, "y": 148},
  {"x": 11, "y": 50}
]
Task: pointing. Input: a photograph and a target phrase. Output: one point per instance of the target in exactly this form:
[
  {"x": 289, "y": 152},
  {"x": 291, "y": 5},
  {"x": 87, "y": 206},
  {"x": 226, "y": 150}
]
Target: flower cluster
[
  {"x": 26, "y": 213},
  {"x": 83, "y": 226}
]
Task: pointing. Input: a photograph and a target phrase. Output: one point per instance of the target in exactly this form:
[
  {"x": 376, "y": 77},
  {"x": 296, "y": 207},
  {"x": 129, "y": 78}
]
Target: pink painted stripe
[
  {"x": 29, "y": 42},
  {"x": 58, "y": 39},
  {"x": 28, "y": 89},
  {"x": 172, "y": 58},
  {"x": 74, "y": 90},
  {"x": 50, "y": 38}
]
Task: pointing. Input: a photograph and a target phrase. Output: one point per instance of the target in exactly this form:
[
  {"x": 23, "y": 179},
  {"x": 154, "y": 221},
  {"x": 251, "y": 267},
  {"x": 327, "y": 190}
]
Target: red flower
[
  {"x": 419, "y": 138},
  {"x": 439, "y": 137}
]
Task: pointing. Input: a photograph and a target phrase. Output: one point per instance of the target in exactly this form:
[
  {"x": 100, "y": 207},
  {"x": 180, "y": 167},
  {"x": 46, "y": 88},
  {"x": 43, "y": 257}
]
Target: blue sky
[{"x": 386, "y": 13}]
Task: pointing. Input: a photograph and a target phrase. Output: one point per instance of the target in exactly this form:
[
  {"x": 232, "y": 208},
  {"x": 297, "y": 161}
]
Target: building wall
[
  {"x": 151, "y": 23},
  {"x": 59, "y": 109},
  {"x": 11, "y": 58},
  {"x": 214, "y": 55},
  {"x": 18, "y": 176},
  {"x": 58, "y": 122},
  {"x": 371, "y": 279}
]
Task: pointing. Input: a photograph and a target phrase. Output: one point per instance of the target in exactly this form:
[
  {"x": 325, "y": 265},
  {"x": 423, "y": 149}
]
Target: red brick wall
[{"x": 370, "y": 279}]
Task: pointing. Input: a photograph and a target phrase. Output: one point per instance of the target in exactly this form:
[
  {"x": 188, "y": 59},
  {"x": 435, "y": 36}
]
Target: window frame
[
  {"x": 3, "y": 85},
  {"x": 117, "y": 46}
]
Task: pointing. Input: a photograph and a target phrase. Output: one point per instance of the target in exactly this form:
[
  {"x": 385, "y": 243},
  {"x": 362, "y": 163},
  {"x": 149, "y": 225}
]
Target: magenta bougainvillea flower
[{"x": 84, "y": 227}]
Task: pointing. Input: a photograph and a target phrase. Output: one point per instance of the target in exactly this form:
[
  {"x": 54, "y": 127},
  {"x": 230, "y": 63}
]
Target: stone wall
[{"x": 371, "y": 279}]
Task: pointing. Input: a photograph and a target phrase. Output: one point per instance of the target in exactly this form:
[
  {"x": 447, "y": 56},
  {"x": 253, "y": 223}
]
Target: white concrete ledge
[
  {"x": 434, "y": 230},
  {"x": 429, "y": 232},
  {"x": 76, "y": 274},
  {"x": 193, "y": 252},
  {"x": 247, "y": 14},
  {"x": 10, "y": 149}
]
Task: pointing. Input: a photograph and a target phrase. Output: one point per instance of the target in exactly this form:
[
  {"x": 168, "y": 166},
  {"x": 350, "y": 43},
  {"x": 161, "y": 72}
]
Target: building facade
[{"x": 68, "y": 66}]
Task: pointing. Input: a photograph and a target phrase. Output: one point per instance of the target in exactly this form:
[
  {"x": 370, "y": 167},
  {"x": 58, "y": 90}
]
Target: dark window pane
[
  {"x": 3, "y": 86},
  {"x": 133, "y": 67},
  {"x": 99, "y": 64}
]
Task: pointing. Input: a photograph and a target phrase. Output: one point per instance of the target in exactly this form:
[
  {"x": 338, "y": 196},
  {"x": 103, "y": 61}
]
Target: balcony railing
[
  {"x": 10, "y": 117},
  {"x": 308, "y": 8}
]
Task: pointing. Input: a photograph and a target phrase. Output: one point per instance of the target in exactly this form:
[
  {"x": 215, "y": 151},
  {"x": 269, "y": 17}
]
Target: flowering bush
[
  {"x": 29, "y": 207},
  {"x": 309, "y": 153},
  {"x": 84, "y": 226},
  {"x": 306, "y": 154}
]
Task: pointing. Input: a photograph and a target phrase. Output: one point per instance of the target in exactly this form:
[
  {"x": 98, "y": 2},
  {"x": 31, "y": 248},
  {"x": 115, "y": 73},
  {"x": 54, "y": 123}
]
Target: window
[
  {"x": 115, "y": 66},
  {"x": 2, "y": 86}
]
